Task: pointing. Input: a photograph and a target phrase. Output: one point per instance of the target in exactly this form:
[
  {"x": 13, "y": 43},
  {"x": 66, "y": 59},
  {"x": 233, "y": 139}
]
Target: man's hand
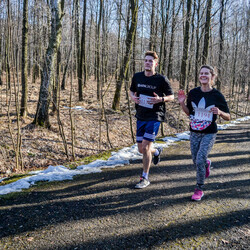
[
  {"x": 135, "y": 98},
  {"x": 155, "y": 99}
]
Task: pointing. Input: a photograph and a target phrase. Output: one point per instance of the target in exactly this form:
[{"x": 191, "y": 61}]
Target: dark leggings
[{"x": 201, "y": 145}]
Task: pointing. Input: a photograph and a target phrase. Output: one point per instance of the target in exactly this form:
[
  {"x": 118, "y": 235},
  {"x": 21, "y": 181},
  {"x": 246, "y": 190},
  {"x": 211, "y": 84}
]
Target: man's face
[{"x": 149, "y": 63}]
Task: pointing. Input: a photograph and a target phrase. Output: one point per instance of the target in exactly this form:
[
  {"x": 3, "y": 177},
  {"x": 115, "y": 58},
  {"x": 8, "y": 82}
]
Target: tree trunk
[
  {"x": 247, "y": 53},
  {"x": 7, "y": 48},
  {"x": 42, "y": 112},
  {"x": 221, "y": 43},
  {"x": 165, "y": 19},
  {"x": 190, "y": 59},
  {"x": 82, "y": 72},
  {"x": 236, "y": 43},
  {"x": 1, "y": 83},
  {"x": 207, "y": 33},
  {"x": 36, "y": 40},
  {"x": 183, "y": 80},
  {"x": 171, "y": 47},
  {"x": 65, "y": 71},
  {"x": 125, "y": 63},
  {"x": 98, "y": 66},
  {"x": 76, "y": 19},
  {"x": 23, "y": 108},
  {"x": 197, "y": 53},
  {"x": 119, "y": 17},
  {"x": 83, "y": 47},
  {"x": 152, "y": 27},
  {"x": 56, "y": 88}
]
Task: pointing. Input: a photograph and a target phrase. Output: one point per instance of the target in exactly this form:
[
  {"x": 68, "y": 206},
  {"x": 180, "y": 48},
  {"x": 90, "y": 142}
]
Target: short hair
[
  {"x": 210, "y": 68},
  {"x": 152, "y": 53}
]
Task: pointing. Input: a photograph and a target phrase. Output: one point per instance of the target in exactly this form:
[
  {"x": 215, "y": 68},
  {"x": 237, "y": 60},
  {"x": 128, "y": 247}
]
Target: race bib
[
  {"x": 144, "y": 101},
  {"x": 203, "y": 115}
]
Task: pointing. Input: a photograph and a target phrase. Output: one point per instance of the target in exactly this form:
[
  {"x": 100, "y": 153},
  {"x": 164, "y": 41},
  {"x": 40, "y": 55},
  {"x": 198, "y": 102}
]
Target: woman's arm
[
  {"x": 181, "y": 99},
  {"x": 224, "y": 115}
]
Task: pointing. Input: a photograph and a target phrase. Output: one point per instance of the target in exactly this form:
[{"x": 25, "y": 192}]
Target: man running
[{"x": 149, "y": 90}]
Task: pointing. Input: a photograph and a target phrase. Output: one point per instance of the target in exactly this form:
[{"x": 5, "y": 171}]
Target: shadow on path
[{"x": 111, "y": 193}]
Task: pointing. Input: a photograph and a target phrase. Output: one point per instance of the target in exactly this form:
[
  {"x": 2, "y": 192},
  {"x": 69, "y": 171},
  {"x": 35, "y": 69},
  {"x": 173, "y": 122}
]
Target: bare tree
[
  {"x": 163, "y": 45},
  {"x": 23, "y": 108},
  {"x": 207, "y": 32},
  {"x": 248, "y": 52},
  {"x": 42, "y": 112},
  {"x": 7, "y": 48},
  {"x": 98, "y": 58},
  {"x": 125, "y": 63},
  {"x": 37, "y": 57},
  {"x": 172, "y": 39},
  {"x": 76, "y": 16},
  {"x": 1, "y": 83},
  {"x": 119, "y": 19},
  {"x": 152, "y": 27},
  {"x": 56, "y": 81},
  {"x": 83, "y": 61},
  {"x": 184, "y": 60},
  {"x": 198, "y": 37}
]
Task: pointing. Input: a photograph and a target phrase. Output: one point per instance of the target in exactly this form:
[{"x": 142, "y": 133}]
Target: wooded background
[{"x": 55, "y": 42}]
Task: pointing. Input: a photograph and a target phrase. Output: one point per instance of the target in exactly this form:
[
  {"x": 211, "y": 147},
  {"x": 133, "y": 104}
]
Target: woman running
[{"x": 204, "y": 104}]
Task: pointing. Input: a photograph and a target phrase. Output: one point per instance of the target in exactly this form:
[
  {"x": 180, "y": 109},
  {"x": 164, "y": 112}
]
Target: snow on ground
[{"x": 120, "y": 158}]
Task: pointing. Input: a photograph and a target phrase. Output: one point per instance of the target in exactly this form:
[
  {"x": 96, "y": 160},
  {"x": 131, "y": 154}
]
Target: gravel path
[{"x": 104, "y": 211}]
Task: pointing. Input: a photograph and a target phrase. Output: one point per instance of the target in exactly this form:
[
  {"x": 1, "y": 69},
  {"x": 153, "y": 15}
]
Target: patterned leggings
[{"x": 201, "y": 145}]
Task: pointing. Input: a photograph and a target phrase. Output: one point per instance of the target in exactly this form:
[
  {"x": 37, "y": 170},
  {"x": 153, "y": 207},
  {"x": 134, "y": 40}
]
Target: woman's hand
[
  {"x": 181, "y": 99},
  {"x": 181, "y": 96},
  {"x": 216, "y": 111}
]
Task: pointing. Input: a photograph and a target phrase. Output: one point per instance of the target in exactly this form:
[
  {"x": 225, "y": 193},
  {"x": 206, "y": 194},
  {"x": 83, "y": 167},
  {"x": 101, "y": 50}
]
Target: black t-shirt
[
  {"x": 199, "y": 103},
  {"x": 147, "y": 85}
]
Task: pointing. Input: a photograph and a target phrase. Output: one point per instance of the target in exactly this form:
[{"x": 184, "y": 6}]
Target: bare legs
[{"x": 146, "y": 148}]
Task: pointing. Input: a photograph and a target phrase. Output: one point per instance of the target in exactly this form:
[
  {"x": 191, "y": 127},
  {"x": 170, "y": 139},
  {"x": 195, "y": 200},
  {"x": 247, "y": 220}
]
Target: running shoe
[
  {"x": 142, "y": 183},
  {"x": 208, "y": 168},
  {"x": 198, "y": 194},
  {"x": 157, "y": 158}
]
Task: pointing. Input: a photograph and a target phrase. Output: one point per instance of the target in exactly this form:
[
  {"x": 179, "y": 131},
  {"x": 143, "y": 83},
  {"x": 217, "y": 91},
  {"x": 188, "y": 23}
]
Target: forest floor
[
  {"x": 43, "y": 147},
  {"x": 104, "y": 211}
]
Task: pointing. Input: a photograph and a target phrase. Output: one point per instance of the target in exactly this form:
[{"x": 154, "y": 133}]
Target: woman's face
[{"x": 205, "y": 76}]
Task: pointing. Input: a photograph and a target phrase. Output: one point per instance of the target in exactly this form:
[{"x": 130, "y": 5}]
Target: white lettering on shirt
[{"x": 141, "y": 85}]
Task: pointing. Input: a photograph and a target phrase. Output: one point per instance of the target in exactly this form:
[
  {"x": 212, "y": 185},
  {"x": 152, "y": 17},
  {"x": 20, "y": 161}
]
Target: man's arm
[
  {"x": 134, "y": 97},
  {"x": 168, "y": 98},
  {"x": 158, "y": 99}
]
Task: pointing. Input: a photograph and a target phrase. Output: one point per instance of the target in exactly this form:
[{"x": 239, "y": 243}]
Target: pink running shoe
[
  {"x": 198, "y": 194},
  {"x": 208, "y": 168}
]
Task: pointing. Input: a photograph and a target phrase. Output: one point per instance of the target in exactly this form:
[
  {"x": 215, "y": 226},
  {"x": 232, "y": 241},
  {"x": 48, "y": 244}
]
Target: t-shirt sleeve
[
  {"x": 223, "y": 104},
  {"x": 167, "y": 87},
  {"x": 133, "y": 85}
]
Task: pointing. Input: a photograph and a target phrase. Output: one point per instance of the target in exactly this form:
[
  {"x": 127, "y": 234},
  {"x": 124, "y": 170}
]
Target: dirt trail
[{"x": 104, "y": 211}]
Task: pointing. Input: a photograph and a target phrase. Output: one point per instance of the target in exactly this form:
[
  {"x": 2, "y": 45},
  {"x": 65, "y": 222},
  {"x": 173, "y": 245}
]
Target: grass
[
  {"x": 13, "y": 178},
  {"x": 72, "y": 165},
  {"x": 101, "y": 156}
]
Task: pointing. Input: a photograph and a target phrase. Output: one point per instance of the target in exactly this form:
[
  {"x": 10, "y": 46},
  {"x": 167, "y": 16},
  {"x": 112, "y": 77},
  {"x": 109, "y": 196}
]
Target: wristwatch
[{"x": 162, "y": 99}]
